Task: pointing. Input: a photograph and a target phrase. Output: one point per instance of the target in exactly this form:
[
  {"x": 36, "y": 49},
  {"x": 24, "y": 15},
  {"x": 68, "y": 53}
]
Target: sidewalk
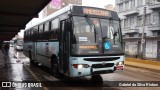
[{"x": 149, "y": 63}]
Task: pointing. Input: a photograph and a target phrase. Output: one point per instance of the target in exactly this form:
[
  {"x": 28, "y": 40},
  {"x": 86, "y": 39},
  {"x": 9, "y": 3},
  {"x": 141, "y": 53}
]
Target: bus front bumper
[
  {"x": 95, "y": 71},
  {"x": 85, "y": 68}
]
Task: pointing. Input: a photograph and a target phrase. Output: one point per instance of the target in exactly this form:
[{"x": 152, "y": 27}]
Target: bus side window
[
  {"x": 54, "y": 29},
  {"x": 46, "y": 26},
  {"x": 46, "y": 31},
  {"x": 36, "y": 33},
  {"x": 29, "y": 35},
  {"x": 41, "y": 28}
]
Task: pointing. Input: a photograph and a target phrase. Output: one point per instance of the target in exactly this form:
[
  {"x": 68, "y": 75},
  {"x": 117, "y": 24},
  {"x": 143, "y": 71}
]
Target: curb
[{"x": 149, "y": 64}]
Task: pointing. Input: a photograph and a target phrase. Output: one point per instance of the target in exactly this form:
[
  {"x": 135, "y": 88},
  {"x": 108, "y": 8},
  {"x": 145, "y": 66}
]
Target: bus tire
[
  {"x": 54, "y": 66},
  {"x": 30, "y": 57},
  {"x": 97, "y": 80}
]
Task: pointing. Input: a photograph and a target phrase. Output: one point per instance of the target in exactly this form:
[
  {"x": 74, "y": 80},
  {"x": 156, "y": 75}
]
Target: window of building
[
  {"x": 139, "y": 3},
  {"x": 54, "y": 24},
  {"x": 132, "y": 22},
  {"x": 120, "y": 7},
  {"x": 147, "y": 2},
  {"x": 139, "y": 20},
  {"x": 47, "y": 26},
  {"x": 127, "y": 6},
  {"x": 148, "y": 19},
  {"x": 132, "y": 4},
  {"x": 120, "y": 1},
  {"x": 125, "y": 23},
  {"x": 154, "y": 33},
  {"x": 131, "y": 35},
  {"x": 129, "y": 22},
  {"x": 140, "y": 34},
  {"x": 158, "y": 33}
]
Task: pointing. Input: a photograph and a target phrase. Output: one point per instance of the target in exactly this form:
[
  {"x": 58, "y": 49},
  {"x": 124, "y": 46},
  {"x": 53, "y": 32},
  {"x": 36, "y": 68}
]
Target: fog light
[{"x": 79, "y": 73}]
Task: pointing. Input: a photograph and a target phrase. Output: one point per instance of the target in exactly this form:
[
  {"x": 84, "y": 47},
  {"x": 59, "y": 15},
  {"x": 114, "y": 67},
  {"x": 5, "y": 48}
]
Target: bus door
[
  {"x": 35, "y": 45},
  {"x": 64, "y": 46}
]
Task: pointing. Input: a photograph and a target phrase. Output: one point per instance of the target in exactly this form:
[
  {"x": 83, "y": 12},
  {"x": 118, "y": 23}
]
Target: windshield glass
[
  {"x": 95, "y": 36},
  {"x": 84, "y": 31},
  {"x": 110, "y": 29}
]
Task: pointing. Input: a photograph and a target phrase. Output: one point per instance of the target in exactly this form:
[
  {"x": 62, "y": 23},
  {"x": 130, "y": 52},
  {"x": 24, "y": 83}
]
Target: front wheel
[{"x": 97, "y": 80}]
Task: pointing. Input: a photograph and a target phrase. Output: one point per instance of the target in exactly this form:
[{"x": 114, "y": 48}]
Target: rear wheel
[{"x": 55, "y": 67}]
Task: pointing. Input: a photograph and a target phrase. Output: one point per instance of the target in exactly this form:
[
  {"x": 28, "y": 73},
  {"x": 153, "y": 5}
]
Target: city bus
[{"x": 77, "y": 41}]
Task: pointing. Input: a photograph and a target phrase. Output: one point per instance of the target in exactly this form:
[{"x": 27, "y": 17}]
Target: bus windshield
[
  {"x": 83, "y": 30},
  {"x": 90, "y": 35}
]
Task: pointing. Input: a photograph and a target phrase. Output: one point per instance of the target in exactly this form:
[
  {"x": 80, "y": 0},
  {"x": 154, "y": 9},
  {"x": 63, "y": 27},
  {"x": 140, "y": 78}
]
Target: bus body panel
[{"x": 45, "y": 50}]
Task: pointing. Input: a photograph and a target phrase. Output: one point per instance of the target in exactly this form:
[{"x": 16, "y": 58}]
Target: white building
[{"x": 131, "y": 13}]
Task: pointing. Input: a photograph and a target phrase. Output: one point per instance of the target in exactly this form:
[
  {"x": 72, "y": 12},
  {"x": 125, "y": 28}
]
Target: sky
[{"x": 97, "y": 3}]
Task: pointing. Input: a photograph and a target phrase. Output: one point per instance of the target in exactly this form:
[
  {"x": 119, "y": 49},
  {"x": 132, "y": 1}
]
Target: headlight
[
  {"x": 80, "y": 66},
  {"x": 120, "y": 63}
]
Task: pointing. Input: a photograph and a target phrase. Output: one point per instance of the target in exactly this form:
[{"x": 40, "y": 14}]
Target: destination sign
[
  {"x": 97, "y": 12},
  {"x": 88, "y": 47}
]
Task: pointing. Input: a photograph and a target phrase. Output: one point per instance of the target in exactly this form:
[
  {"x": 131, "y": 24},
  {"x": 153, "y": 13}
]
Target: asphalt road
[{"x": 19, "y": 69}]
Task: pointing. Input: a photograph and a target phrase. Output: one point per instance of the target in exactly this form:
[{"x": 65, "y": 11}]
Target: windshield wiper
[{"x": 89, "y": 21}]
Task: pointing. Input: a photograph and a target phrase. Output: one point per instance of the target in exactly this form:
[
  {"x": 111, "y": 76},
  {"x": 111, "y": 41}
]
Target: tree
[{"x": 158, "y": 0}]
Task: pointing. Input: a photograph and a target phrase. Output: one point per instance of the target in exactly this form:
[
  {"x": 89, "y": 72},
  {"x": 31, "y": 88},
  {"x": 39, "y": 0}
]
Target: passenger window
[
  {"x": 41, "y": 28},
  {"x": 54, "y": 24},
  {"x": 47, "y": 26}
]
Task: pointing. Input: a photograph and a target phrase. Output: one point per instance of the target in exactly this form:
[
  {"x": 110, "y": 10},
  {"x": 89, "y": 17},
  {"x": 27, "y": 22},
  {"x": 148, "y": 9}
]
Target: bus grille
[
  {"x": 102, "y": 66},
  {"x": 101, "y": 59}
]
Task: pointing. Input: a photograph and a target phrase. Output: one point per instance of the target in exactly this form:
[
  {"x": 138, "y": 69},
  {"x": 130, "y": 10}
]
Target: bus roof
[{"x": 80, "y": 10}]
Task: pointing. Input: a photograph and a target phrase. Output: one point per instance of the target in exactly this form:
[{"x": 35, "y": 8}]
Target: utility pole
[{"x": 142, "y": 38}]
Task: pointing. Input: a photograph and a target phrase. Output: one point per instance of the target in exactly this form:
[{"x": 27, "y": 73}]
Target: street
[{"x": 19, "y": 69}]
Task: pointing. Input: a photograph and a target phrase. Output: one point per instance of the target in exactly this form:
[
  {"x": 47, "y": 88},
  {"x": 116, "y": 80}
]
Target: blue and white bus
[{"x": 77, "y": 41}]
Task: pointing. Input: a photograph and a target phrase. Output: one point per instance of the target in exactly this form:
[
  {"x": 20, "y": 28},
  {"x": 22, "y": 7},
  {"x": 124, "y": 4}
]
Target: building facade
[
  {"x": 55, "y": 5},
  {"x": 132, "y": 14}
]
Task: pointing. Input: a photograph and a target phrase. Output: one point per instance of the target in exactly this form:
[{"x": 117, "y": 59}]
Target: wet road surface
[{"x": 19, "y": 69}]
